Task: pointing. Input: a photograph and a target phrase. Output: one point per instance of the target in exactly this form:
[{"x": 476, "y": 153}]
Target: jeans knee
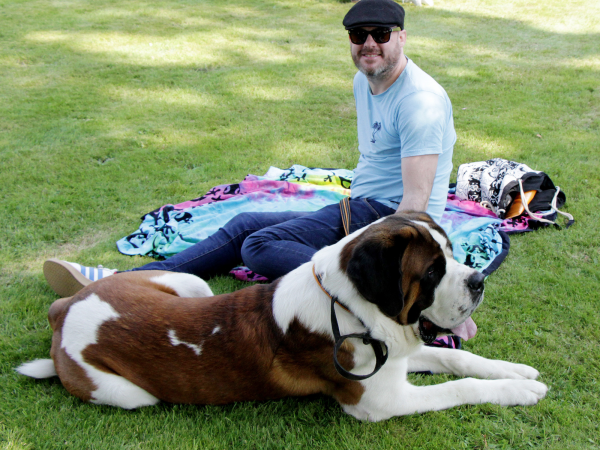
[
  {"x": 251, "y": 249},
  {"x": 269, "y": 253}
]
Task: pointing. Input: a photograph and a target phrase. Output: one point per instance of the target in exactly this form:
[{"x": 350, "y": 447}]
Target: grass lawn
[{"x": 110, "y": 109}]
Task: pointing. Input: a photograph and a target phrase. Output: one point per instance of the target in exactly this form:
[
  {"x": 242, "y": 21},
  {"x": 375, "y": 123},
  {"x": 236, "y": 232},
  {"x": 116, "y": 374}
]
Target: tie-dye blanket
[
  {"x": 170, "y": 229},
  {"x": 478, "y": 237}
]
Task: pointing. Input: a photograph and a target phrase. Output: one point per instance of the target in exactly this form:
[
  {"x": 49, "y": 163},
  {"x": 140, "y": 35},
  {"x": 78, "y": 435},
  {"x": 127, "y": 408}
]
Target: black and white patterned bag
[{"x": 496, "y": 183}]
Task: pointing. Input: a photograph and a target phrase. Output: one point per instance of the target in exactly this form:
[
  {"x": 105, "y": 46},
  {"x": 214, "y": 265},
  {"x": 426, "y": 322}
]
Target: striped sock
[{"x": 93, "y": 273}]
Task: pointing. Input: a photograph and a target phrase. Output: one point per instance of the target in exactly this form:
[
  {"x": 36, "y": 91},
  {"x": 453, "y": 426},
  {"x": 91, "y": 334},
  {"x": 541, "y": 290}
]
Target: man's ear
[
  {"x": 374, "y": 268},
  {"x": 402, "y": 37}
]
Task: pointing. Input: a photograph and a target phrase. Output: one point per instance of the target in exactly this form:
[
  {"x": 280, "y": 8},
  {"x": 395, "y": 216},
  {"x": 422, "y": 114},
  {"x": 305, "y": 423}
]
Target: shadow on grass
[{"x": 96, "y": 111}]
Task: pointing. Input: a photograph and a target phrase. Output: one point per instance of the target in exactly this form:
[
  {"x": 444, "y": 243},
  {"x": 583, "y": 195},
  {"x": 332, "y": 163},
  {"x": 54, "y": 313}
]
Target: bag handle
[{"x": 570, "y": 220}]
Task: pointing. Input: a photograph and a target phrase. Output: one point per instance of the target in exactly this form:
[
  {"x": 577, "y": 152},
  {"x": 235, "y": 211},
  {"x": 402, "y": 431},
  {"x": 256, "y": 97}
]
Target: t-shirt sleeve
[{"x": 421, "y": 122}]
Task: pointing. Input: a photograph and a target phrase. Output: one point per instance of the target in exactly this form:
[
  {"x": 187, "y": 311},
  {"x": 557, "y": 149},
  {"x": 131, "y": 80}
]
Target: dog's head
[{"x": 404, "y": 265}]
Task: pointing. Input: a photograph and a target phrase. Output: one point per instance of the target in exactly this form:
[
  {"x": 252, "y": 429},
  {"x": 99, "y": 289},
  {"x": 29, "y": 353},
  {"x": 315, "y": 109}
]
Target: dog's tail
[{"x": 39, "y": 368}]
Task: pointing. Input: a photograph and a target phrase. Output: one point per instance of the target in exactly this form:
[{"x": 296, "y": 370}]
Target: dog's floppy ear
[{"x": 375, "y": 269}]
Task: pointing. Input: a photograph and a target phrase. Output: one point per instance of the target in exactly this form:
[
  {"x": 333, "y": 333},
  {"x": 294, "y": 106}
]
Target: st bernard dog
[{"x": 136, "y": 338}]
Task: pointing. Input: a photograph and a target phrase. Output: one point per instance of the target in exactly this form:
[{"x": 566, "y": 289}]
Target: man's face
[{"x": 375, "y": 60}]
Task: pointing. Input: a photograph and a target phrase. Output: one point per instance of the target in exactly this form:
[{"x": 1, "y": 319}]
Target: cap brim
[{"x": 383, "y": 25}]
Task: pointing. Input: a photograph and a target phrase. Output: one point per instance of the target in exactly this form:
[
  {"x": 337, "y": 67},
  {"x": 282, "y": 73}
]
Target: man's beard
[{"x": 381, "y": 72}]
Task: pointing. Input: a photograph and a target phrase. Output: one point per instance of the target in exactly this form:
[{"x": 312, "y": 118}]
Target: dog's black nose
[{"x": 475, "y": 282}]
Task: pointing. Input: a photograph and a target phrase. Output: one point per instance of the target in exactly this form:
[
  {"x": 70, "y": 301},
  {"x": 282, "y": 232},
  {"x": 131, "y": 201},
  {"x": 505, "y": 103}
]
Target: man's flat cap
[{"x": 375, "y": 13}]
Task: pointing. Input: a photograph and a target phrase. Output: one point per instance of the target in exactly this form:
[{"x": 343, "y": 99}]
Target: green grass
[{"x": 110, "y": 109}]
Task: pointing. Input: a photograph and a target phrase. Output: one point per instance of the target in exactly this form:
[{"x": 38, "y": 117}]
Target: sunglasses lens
[
  {"x": 380, "y": 36},
  {"x": 358, "y": 37}
]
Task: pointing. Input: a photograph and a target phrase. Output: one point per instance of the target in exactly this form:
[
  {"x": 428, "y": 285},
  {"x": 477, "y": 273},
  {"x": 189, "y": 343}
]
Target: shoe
[{"x": 67, "y": 278}]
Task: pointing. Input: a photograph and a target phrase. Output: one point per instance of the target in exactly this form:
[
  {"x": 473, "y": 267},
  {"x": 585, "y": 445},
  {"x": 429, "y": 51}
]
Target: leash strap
[
  {"x": 345, "y": 211},
  {"x": 378, "y": 346}
]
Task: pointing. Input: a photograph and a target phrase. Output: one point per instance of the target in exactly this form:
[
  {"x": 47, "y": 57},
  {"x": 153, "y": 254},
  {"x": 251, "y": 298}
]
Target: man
[{"x": 405, "y": 135}]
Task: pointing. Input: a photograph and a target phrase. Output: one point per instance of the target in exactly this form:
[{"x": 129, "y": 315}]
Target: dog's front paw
[
  {"x": 520, "y": 392},
  {"x": 505, "y": 370}
]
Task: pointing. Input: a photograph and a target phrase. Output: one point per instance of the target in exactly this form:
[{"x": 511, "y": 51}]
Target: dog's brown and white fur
[{"x": 135, "y": 338}]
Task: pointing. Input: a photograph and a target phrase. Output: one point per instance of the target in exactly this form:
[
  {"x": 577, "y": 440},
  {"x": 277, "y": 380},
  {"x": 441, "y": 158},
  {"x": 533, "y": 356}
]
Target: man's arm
[{"x": 418, "y": 173}]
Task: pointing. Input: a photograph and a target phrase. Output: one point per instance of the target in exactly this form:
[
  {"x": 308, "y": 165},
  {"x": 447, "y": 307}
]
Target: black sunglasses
[{"x": 358, "y": 36}]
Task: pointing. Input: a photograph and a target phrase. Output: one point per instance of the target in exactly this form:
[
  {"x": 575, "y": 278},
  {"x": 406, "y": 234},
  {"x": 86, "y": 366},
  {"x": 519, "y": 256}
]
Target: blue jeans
[{"x": 271, "y": 244}]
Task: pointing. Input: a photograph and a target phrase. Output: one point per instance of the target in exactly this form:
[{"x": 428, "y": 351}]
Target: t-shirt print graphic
[{"x": 376, "y": 128}]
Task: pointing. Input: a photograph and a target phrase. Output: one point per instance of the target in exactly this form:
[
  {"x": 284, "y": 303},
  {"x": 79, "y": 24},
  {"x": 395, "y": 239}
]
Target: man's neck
[{"x": 380, "y": 86}]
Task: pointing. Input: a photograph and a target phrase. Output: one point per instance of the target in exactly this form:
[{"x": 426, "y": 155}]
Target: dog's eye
[{"x": 430, "y": 272}]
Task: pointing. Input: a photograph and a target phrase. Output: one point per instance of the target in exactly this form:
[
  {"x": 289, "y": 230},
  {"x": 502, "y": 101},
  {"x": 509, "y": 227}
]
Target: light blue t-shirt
[{"x": 413, "y": 117}]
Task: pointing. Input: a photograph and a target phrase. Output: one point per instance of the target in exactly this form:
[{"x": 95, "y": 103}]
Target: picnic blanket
[{"x": 479, "y": 238}]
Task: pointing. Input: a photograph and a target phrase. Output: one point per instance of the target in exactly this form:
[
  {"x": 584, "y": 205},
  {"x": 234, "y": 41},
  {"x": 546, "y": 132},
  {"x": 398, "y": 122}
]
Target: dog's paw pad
[
  {"x": 506, "y": 370},
  {"x": 534, "y": 392},
  {"x": 523, "y": 392},
  {"x": 524, "y": 371}
]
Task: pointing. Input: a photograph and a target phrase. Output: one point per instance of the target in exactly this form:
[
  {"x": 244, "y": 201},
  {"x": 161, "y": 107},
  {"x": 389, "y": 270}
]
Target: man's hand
[{"x": 418, "y": 173}]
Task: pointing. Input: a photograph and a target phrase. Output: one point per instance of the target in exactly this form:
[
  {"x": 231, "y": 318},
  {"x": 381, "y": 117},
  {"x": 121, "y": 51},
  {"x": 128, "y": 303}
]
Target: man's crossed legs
[{"x": 271, "y": 244}]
